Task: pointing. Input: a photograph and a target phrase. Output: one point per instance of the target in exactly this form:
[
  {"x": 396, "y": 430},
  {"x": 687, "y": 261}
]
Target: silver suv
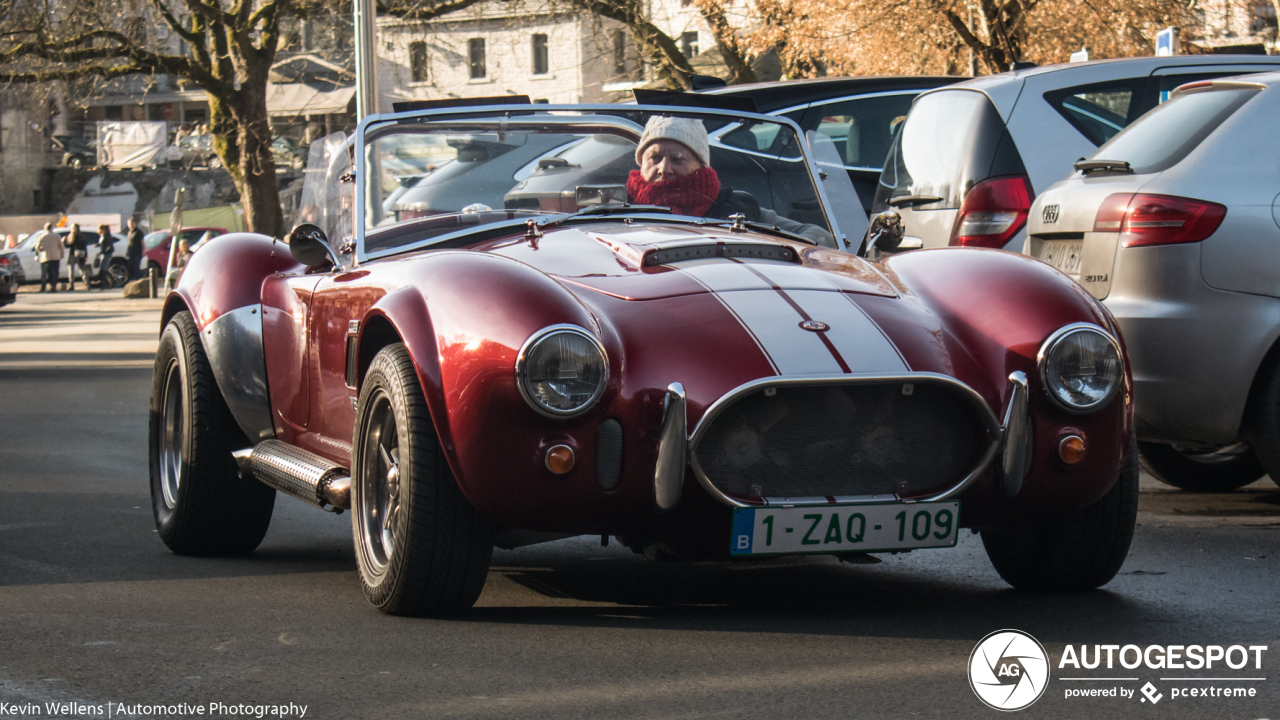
[
  {"x": 970, "y": 157},
  {"x": 1175, "y": 225}
]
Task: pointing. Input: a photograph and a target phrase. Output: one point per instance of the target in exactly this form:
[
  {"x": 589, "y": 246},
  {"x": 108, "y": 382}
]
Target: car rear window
[
  {"x": 950, "y": 140},
  {"x": 1163, "y": 137},
  {"x": 1099, "y": 112}
]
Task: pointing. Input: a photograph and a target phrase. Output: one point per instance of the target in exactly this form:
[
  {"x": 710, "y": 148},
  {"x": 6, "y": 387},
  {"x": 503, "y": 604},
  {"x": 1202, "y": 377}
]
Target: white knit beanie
[{"x": 686, "y": 131}]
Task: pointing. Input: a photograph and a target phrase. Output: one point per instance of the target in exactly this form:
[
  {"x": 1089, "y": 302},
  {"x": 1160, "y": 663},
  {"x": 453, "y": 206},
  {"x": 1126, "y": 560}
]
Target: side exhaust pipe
[{"x": 296, "y": 472}]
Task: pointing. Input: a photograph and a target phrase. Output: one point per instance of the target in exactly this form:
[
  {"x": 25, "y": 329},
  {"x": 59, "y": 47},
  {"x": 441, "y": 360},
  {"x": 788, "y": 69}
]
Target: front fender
[
  {"x": 1002, "y": 307},
  {"x": 463, "y": 318}
]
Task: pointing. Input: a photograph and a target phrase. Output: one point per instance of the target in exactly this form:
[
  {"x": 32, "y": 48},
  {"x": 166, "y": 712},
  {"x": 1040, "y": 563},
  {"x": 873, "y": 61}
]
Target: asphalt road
[{"x": 94, "y": 609}]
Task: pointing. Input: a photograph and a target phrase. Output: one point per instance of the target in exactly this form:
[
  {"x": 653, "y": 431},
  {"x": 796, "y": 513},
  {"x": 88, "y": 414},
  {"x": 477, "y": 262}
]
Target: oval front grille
[{"x": 842, "y": 439}]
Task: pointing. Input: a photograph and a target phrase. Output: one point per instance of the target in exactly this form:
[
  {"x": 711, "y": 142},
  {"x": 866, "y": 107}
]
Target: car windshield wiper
[
  {"x": 913, "y": 200},
  {"x": 1111, "y": 166},
  {"x": 621, "y": 208}
]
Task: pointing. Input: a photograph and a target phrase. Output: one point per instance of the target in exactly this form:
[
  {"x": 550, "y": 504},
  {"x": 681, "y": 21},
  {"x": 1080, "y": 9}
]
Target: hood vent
[{"x": 669, "y": 254}]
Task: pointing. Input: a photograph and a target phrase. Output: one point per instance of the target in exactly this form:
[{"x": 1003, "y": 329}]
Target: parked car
[
  {"x": 288, "y": 154},
  {"x": 1175, "y": 225},
  {"x": 699, "y": 387},
  {"x": 155, "y": 245},
  {"x": 25, "y": 258},
  {"x": 11, "y": 262},
  {"x": 8, "y": 287},
  {"x": 75, "y": 152},
  {"x": 861, "y": 108},
  {"x": 194, "y": 151},
  {"x": 971, "y": 157},
  {"x": 859, "y": 114}
]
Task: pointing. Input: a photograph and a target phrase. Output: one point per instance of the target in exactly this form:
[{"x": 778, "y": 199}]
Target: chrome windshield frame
[{"x": 589, "y": 117}]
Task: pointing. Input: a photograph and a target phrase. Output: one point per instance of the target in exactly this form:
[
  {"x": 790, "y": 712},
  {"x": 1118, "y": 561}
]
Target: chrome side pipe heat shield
[{"x": 299, "y": 473}]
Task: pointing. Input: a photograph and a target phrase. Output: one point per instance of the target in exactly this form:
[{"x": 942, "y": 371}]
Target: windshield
[
  {"x": 155, "y": 239},
  {"x": 504, "y": 171}
]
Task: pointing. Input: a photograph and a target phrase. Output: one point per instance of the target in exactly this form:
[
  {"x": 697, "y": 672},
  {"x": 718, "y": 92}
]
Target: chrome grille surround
[{"x": 991, "y": 425}]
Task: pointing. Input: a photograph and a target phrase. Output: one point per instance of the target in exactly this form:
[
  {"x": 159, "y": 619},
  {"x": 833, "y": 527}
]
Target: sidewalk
[{"x": 79, "y": 329}]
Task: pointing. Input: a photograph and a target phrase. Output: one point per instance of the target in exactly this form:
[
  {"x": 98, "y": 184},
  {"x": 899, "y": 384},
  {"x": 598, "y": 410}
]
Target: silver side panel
[{"x": 234, "y": 345}]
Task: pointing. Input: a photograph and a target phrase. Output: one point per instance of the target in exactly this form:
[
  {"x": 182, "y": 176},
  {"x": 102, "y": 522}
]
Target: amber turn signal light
[
  {"x": 1071, "y": 449},
  {"x": 559, "y": 459}
]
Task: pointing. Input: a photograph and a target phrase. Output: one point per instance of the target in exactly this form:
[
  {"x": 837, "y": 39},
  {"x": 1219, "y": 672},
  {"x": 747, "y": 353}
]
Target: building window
[
  {"x": 475, "y": 48},
  {"x": 689, "y": 44},
  {"x": 540, "y": 65},
  {"x": 418, "y": 61},
  {"x": 619, "y": 52}
]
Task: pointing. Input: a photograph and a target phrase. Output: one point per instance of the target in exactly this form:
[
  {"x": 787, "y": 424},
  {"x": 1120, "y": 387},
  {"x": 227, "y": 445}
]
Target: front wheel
[
  {"x": 1079, "y": 550},
  {"x": 202, "y": 505},
  {"x": 422, "y": 549},
  {"x": 1216, "y": 470}
]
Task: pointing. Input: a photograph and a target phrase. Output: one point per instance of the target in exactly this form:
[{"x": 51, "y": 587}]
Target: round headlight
[
  {"x": 562, "y": 371},
  {"x": 1081, "y": 367}
]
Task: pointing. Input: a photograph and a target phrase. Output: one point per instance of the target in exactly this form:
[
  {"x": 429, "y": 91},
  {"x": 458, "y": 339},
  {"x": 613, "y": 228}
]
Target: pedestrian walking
[
  {"x": 106, "y": 251},
  {"x": 49, "y": 252},
  {"x": 133, "y": 250},
  {"x": 78, "y": 251}
]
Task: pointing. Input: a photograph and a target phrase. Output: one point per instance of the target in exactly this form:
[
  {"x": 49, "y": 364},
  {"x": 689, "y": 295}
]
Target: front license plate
[
  {"x": 844, "y": 528},
  {"x": 1063, "y": 254}
]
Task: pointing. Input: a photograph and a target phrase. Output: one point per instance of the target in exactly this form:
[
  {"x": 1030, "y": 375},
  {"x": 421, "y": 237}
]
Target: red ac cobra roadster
[{"x": 698, "y": 384}]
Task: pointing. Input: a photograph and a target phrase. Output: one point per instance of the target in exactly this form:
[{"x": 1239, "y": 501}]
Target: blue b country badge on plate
[{"x": 871, "y": 527}]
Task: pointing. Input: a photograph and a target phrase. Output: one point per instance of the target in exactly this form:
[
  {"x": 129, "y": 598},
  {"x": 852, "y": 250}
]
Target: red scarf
[{"x": 691, "y": 194}]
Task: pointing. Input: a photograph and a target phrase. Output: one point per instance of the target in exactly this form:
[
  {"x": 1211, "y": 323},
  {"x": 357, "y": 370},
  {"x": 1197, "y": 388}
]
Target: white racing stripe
[{"x": 774, "y": 322}]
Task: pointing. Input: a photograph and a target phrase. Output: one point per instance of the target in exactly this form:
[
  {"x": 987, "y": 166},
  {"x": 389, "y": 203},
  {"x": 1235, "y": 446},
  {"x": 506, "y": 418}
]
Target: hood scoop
[{"x": 645, "y": 255}]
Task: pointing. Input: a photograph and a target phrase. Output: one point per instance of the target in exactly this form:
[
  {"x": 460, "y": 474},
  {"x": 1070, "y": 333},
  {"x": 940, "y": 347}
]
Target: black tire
[
  {"x": 117, "y": 273},
  {"x": 202, "y": 505},
  {"x": 1081, "y": 550},
  {"x": 433, "y": 556},
  {"x": 1262, "y": 418},
  {"x": 1218, "y": 471}
]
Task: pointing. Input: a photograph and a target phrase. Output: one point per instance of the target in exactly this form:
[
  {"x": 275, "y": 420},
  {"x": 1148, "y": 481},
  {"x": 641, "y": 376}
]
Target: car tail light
[
  {"x": 994, "y": 210},
  {"x": 1144, "y": 219}
]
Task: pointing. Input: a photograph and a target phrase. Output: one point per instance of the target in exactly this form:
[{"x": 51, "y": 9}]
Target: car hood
[{"x": 651, "y": 261}]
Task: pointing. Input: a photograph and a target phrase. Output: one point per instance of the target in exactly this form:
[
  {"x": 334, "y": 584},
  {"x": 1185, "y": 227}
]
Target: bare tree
[
  {"x": 226, "y": 47},
  {"x": 936, "y": 36}
]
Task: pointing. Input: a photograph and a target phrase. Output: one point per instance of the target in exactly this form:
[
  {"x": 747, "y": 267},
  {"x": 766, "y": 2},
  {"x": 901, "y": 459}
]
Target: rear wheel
[
  {"x": 1080, "y": 550},
  {"x": 422, "y": 549},
  {"x": 202, "y": 505},
  {"x": 1210, "y": 470}
]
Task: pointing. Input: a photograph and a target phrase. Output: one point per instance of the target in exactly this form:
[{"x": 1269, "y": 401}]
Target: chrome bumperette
[
  {"x": 233, "y": 343},
  {"x": 1047, "y": 347},
  {"x": 673, "y": 450},
  {"x": 1016, "y": 454},
  {"x": 995, "y": 432}
]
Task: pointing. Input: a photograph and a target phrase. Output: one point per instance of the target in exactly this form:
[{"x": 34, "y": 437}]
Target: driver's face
[{"x": 667, "y": 159}]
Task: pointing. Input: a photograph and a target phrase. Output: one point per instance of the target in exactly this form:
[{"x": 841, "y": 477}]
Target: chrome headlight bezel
[
  {"x": 522, "y": 371},
  {"x": 1053, "y": 342}
]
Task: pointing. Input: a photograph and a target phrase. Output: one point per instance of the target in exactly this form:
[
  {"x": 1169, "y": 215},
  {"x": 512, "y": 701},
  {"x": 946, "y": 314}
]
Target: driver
[{"x": 674, "y": 173}]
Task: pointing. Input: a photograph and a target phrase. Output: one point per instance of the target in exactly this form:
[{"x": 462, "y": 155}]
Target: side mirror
[
  {"x": 885, "y": 233},
  {"x": 309, "y": 245}
]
